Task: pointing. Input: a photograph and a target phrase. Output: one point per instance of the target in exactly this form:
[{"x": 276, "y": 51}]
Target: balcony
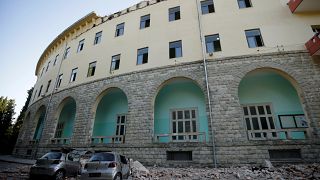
[
  {"x": 279, "y": 134},
  {"x": 180, "y": 137},
  {"x": 299, "y": 6},
  {"x": 107, "y": 139},
  {"x": 60, "y": 141},
  {"x": 313, "y": 45}
]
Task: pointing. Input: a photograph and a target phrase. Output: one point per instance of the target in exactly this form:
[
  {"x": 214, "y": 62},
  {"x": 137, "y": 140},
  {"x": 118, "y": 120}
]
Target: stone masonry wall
[{"x": 224, "y": 75}]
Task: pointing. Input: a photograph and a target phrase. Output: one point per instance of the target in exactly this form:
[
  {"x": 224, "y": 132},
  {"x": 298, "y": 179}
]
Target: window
[
  {"x": 184, "y": 124},
  {"x": 115, "y": 62},
  {"x": 120, "y": 29},
  {"x": 174, "y": 13},
  {"x": 145, "y": 21},
  {"x": 121, "y": 128},
  {"x": 259, "y": 118},
  {"x": 66, "y": 53},
  {"x": 316, "y": 28},
  {"x": 42, "y": 72},
  {"x": 73, "y": 74},
  {"x": 40, "y": 90},
  {"x": 59, "y": 130},
  {"x": 207, "y": 6},
  {"x": 97, "y": 38},
  {"x": 213, "y": 43},
  {"x": 55, "y": 60},
  {"x": 290, "y": 121},
  {"x": 142, "y": 57},
  {"x": 91, "y": 69},
  {"x": 48, "y": 66},
  {"x": 59, "y": 81},
  {"x": 35, "y": 94},
  {"x": 48, "y": 86},
  {"x": 175, "y": 49},
  {"x": 81, "y": 45},
  {"x": 244, "y": 3},
  {"x": 179, "y": 155},
  {"x": 254, "y": 38}
]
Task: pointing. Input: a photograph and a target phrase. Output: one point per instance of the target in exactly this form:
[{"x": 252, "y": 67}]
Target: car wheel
[
  {"x": 60, "y": 175},
  {"x": 118, "y": 177}
]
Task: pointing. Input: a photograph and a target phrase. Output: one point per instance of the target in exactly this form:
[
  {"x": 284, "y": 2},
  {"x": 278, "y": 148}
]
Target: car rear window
[
  {"x": 102, "y": 157},
  {"x": 52, "y": 155}
]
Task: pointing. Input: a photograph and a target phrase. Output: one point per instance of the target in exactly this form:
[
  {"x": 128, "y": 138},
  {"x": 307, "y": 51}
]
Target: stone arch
[
  {"x": 277, "y": 87},
  {"x": 39, "y": 119},
  {"x": 110, "y": 107},
  {"x": 65, "y": 115},
  {"x": 175, "y": 96}
]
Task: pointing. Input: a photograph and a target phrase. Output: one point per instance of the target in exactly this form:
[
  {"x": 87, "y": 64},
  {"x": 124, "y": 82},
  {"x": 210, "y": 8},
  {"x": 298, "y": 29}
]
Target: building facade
[{"x": 191, "y": 82}]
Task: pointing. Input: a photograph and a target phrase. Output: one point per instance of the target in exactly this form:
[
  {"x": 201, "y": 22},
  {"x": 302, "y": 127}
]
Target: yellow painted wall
[{"x": 277, "y": 24}]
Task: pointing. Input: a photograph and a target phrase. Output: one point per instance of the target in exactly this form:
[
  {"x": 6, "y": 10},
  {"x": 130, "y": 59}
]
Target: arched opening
[
  {"x": 180, "y": 112},
  {"x": 271, "y": 106},
  {"x": 24, "y": 125},
  {"x": 40, "y": 115},
  {"x": 66, "y": 120},
  {"x": 111, "y": 116}
]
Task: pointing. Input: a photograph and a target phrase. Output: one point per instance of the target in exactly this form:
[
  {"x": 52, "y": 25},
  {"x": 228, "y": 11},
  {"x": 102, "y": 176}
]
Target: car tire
[
  {"x": 117, "y": 177},
  {"x": 60, "y": 175}
]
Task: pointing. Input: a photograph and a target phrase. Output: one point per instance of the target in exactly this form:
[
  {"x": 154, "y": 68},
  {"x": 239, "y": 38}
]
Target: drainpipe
[
  {"x": 49, "y": 103},
  {"x": 207, "y": 83}
]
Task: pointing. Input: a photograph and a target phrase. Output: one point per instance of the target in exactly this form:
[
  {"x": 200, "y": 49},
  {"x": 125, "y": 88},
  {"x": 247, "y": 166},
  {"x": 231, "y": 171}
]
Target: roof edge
[{"x": 90, "y": 16}]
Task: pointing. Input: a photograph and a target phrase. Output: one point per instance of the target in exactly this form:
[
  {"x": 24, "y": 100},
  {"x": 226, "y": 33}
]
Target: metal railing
[
  {"x": 108, "y": 139},
  {"x": 278, "y": 134},
  {"x": 33, "y": 142},
  {"x": 180, "y": 137},
  {"x": 60, "y": 141}
]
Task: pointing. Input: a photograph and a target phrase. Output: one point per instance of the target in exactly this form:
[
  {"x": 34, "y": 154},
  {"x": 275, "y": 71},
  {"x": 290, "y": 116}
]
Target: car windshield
[
  {"x": 52, "y": 155},
  {"x": 102, "y": 157}
]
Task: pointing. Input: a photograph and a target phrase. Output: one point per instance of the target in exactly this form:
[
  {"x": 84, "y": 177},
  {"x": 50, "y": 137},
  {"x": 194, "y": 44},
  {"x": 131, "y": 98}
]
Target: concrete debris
[
  {"x": 301, "y": 171},
  {"x": 139, "y": 170}
]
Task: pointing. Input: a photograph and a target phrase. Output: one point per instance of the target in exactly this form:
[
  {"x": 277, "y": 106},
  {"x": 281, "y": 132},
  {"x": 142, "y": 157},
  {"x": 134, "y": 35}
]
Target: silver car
[
  {"x": 57, "y": 165},
  {"x": 106, "y": 165}
]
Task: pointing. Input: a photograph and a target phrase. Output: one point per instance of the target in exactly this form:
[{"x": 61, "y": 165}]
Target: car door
[
  {"x": 72, "y": 164},
  {"x": 125, "y": 166}
]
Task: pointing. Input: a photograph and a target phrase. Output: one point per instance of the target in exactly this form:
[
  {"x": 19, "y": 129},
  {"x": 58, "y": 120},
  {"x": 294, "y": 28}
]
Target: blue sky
[{"x": 28, "y": 27}]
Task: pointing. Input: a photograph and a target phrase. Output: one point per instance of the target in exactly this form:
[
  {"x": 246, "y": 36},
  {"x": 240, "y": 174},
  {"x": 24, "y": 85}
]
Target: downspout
[
  {"x": 207, "y": 82},
  {"x": 50, "y": 99}
]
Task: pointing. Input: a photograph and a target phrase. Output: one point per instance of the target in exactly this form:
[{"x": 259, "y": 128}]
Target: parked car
[
  {"x": 107, "y": 165},
  {"x": 56, "y": 165}
]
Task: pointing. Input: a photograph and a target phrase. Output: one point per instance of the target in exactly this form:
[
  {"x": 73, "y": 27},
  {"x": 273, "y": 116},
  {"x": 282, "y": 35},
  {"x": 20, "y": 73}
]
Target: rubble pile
[{"x": 301, "y": 171}]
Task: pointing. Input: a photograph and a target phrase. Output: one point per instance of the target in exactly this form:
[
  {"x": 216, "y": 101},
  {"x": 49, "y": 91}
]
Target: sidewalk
[{"x": 10, "y": 158}]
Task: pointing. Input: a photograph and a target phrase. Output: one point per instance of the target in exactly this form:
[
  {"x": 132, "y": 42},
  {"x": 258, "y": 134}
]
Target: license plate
[{"x": 94, "y": 174}]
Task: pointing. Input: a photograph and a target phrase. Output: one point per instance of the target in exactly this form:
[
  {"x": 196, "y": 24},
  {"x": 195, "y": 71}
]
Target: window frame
[
  {"x": 59, "y": 81},
  {"x": 80, "y": 45},
  {"x": 73, "y": 76},
  {"x": 55, "y": 60},
  {"x": 39, "y": 93},
  {"x": 213, "y": 43},
  {"x": 120, "y": 124},
  {"x": 143, "y": 56},
  {"x": 184, "y": 120},
  {"x": 48, "y": 66},
  {"x": 115, "y": 63},
  {"x": 48, "y": 86},
  {"x": 66, "y": 52},
  {"x": 207, "y": 4},
  {"x": 270, "y": 126},
  {"x": 97, "y": 38},
  {"x": 145, "y": 23},
  {"x": 175, "y": 13},
  {"x": 255, "y": 38},
  {"x": 248, "y": 4},
  {"x": 92, "y": 69},
  {"x": 120, "y": 27},
  {"x": 175, "y": 48}
]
